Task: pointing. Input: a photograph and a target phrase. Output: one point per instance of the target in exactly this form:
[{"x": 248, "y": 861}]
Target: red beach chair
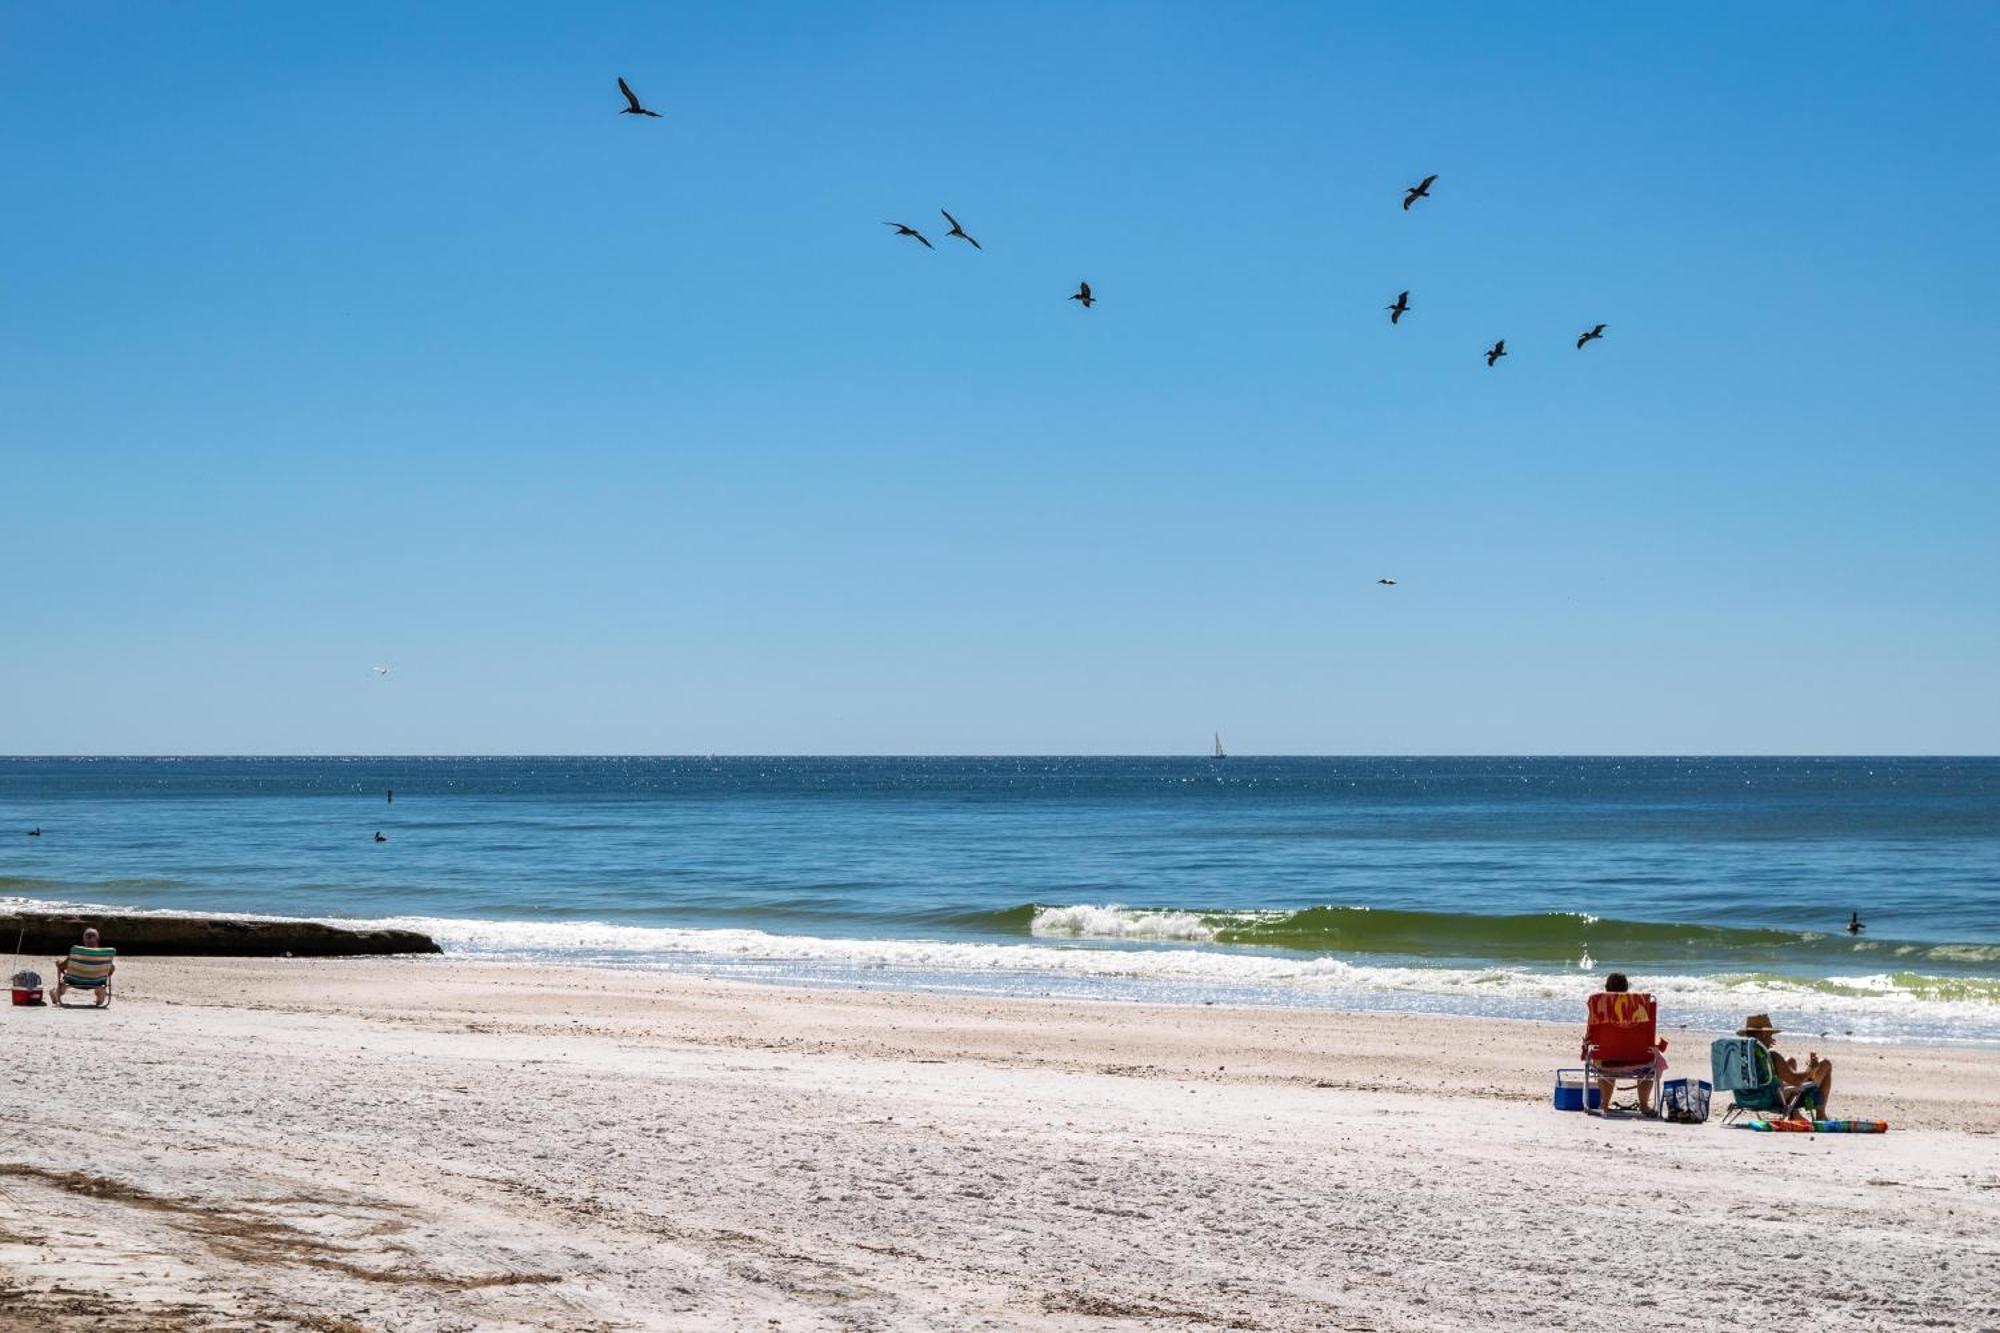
[{"x": 1620, "y": 1044}]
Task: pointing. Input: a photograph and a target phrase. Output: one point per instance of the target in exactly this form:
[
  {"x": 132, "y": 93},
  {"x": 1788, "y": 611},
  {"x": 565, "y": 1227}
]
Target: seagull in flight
[
  {"x": 1082, "y": 293},
  {"x": 1387, "y": 583},
  {"x": 903, "y": 230},
  {"x": 959, "y": 231},
  {"x": 1495, "y": 352},
  {"x": 1397, "y": 310},
  {"x": 381, "y": 671},
  {"x": 1592, "y": 336},
  {"x": 632, "y": 107},
  {"x": 1421, "y": 190}
]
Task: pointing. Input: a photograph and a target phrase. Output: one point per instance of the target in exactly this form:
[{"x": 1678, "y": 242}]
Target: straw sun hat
[{"x": 1757, "y": 1025}]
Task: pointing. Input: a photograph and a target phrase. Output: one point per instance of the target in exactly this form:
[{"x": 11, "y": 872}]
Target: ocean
[{"x": 1476, "y": 886}]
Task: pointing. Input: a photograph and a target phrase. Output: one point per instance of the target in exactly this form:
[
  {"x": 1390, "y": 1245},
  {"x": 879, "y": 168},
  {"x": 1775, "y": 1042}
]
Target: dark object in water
[{"x": 1855, "y": 925}]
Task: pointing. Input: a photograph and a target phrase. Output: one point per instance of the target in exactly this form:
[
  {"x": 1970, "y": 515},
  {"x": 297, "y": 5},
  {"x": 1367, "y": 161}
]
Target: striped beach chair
[{"x": 88, "y": 968}]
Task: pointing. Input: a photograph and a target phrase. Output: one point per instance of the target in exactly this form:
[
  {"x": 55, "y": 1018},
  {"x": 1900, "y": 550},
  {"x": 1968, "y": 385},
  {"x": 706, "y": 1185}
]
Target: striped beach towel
[{"x": 88, "y": 968}]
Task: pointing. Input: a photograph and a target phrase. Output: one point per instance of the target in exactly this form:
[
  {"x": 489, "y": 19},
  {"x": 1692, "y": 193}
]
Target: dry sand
[{"x": 432, "y": 1145}]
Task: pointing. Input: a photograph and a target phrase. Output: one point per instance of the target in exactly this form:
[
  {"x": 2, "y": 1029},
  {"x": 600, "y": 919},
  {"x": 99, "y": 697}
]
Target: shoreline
[
  {"x": 434, "y": 1144},
  {"x": 1880, "y": 1000}
]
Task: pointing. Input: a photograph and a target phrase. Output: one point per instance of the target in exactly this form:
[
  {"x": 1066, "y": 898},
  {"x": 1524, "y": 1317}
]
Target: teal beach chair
[{"x": 1741, "y": 1066}]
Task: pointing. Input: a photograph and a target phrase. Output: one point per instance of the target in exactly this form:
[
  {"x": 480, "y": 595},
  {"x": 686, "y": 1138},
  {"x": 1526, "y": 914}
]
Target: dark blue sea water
[{"x": 1483, "y": 885}]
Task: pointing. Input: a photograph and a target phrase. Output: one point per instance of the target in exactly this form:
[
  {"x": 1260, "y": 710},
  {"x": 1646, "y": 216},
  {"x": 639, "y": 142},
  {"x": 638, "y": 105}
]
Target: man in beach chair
[
  {"x": 88, "y": 967},
  {"x": 1621, "y": 1045},
  {"x": 1765, "y": 1081}
]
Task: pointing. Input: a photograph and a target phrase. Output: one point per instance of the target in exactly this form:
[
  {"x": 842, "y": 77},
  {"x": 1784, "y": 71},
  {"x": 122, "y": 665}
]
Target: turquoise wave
[{"x": 1544, "y": 937}]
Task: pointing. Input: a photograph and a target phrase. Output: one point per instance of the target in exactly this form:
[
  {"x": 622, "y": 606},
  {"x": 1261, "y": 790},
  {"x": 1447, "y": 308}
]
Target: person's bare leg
[
  {"x": 1645, "y": 1096},
  {"x": 1605, "y": 1087},
  {"x": 1822, "y": 1074}
]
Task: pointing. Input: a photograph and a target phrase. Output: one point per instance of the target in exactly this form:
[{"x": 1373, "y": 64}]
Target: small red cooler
[{"x": 27, "y": 995}]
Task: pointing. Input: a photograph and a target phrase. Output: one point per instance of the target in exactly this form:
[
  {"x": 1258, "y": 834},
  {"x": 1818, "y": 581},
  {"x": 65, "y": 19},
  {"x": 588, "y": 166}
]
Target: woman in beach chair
[
  {"x": 88, "y": 967},
  {"x": 1620, "y": 1044},
  {"x": 1773, "y": 1082}
]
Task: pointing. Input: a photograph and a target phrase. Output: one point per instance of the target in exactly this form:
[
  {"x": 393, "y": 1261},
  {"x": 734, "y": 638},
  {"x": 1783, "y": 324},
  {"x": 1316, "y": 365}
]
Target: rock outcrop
[{"x": 51, "y": 933}]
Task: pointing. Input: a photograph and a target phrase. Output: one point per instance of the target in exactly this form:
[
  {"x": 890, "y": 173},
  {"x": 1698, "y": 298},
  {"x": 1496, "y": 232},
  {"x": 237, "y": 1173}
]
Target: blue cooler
[{"x": 1571, "y": 1092}]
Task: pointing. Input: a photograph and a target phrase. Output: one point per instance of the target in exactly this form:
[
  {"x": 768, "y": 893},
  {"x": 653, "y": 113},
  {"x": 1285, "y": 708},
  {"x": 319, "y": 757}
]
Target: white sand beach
[{"x": 437, "y": 1145}]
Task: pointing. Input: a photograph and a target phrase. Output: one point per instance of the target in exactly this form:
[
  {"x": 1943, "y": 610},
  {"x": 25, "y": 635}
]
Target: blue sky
[{"x": 355, "y": 335}]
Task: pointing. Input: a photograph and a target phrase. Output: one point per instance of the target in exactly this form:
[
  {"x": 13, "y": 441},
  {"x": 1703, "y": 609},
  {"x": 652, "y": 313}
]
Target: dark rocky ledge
[{"x": 51, "y": 933}]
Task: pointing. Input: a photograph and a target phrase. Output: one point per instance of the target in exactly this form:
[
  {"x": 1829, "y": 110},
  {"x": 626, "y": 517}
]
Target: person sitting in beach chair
[
  {"x": 1621, "y": 1045},
  {"x": 88, "y": 967},
  {"x": 1796, "y": 1092}
]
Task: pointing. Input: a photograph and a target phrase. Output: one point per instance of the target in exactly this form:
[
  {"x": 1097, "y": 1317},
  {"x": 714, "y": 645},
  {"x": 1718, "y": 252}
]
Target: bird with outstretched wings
[
  {"x": 632, "y": 107},
  {"x": 960, "y": 232}
]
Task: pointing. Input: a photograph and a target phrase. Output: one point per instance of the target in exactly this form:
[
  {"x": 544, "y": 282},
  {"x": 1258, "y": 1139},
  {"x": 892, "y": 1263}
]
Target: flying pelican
[
  {"x": 1387, "y": 583},
  {"x": 1592, "y": 336},
  {"x": 1855, "y": 925},
  {"x": 1396, "y": 310},
  {"x": 1421, "y": 190},
  {"x": 959, "y": 231},
  {"x": 1495, "y": 352},
  {"x": 35, "y": 832},
  {"x": 902, "y": 230},
  {"x": 1082, "y": 293},
  {"x": 632, "y": 102},
  {"x": 379, "y": 837}
]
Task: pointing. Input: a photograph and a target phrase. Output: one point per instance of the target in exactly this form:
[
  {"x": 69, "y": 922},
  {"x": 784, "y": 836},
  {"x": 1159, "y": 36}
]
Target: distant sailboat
[{"x": 1220, "y": 753}]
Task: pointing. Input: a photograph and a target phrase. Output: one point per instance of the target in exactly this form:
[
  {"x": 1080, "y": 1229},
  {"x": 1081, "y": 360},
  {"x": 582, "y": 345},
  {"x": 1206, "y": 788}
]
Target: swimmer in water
[{"x": 1854, "y": 923}]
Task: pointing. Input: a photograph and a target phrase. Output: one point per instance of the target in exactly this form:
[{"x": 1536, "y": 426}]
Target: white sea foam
[
  {"x": 1113, "y": 922},
  {"x": 1868, "y": 1005}
]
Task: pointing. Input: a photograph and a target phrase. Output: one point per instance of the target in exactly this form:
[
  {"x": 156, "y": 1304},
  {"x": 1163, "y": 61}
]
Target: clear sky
[{"x": 357, "y": 334}]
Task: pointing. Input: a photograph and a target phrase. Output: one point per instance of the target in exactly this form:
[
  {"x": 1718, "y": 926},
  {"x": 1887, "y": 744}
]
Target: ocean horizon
[{"x": 1486, "y": 885}]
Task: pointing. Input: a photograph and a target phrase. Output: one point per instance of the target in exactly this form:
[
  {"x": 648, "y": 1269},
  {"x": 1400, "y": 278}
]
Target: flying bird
[
  {"x": 1397, "y": 310},
  {"x": 632, "y": 107},
  {"x": 35, "y": 832},
  {"x": 1855, "y": 925},
  {"x": 1592, "y": 336},
  {"x": 960, "y": 232},
  {"x": 1082, "y": 293},
  {"x": 1496, "y": 351},
  {"x": 902, "y": 230},
  {"x": 379, "y": 837},
  {"x": 381, "y": 671},
  {"x": 1387, "y": 583},
  {"x": 1421, "y": 190}
]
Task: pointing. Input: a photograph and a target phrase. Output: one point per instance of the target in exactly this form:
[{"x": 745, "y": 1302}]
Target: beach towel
[
  {"x": 1817, "y": 1126},
  {"x": 1739, "y": 1064}
]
